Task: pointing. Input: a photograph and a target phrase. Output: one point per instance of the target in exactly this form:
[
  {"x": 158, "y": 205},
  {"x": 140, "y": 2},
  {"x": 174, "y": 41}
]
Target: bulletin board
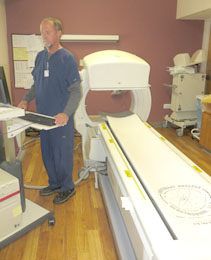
[{"x": 24, "y": 49}]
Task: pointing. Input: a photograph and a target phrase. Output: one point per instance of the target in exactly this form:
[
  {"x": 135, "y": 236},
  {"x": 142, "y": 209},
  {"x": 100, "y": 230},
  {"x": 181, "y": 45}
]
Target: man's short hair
[{"x": 55, "y": 21}]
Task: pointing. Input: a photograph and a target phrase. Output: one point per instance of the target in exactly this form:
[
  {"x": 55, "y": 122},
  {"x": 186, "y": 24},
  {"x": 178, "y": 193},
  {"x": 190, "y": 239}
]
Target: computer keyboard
[{"x": 39, "y": 119}]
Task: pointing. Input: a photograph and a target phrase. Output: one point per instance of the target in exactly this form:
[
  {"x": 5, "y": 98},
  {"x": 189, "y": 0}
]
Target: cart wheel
[
  {"x": 51, "y": 221},
  {"x": 81, "y": 173},
  {"x": 180, "y": 132},
  {"x": 165, "y": 124}
]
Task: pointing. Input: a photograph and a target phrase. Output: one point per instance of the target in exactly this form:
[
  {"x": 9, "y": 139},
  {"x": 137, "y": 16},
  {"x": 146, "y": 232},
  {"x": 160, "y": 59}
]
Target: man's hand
[
  {"x": 61, "y": 119},
  {"x": 23, "y": 104}
]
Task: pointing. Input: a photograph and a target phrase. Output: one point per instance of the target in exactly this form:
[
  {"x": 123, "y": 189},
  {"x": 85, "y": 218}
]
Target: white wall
[{"x": 4, "y": 58}]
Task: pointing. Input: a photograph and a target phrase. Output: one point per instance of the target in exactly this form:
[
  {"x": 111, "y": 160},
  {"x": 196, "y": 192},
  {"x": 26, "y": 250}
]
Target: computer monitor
[{"x": 4, "y": 91}]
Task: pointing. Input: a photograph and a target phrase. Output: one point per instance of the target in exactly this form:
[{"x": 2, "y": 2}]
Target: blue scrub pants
[{"x": 57, "y": 146}]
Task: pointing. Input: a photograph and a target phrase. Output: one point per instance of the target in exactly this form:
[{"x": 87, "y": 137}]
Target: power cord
[{"x": 101, "y": 170}]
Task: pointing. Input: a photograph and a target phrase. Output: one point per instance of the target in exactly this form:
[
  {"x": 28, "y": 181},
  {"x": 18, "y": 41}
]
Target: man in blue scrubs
[{"x": 56, "y": 90}]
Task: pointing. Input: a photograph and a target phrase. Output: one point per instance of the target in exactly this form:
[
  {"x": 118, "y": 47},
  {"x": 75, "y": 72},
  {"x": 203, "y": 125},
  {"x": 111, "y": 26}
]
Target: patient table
[
  {"x": 163, "y": 197},
  {"x": 157, "y": 200}
]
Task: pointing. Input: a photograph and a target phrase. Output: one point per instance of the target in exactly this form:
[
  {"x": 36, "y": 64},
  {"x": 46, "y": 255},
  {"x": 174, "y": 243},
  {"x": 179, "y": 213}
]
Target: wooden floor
[
  {"x": 189, "y": 146},
  {"x": 82, "y": 230}
]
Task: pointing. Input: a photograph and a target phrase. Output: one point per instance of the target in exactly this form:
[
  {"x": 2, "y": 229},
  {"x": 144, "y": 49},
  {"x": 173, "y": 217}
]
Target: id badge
[{"x": 46, "y": 73}]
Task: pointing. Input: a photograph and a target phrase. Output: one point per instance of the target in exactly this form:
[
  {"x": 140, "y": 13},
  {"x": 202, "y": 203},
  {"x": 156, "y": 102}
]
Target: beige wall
[
  {"x": 193, "y": 9},
  {"x": 4, "y": 59}
]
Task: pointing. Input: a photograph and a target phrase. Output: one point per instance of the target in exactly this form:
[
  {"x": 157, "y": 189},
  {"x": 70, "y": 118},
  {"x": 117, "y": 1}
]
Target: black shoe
[
  {"x": 48, "y": 191},
  {"x": 64, "y": 196}
]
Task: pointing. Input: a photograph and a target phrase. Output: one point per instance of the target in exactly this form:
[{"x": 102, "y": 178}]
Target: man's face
[{"x": 49, "y": 34}]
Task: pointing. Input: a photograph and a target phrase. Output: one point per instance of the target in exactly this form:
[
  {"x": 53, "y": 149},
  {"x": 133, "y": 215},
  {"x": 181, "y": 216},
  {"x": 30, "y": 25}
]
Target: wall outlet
[{"x": 166, "y": 106}]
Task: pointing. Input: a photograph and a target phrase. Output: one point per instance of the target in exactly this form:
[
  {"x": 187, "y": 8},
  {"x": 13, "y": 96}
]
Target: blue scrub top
[{"x": 52, "y": 78}]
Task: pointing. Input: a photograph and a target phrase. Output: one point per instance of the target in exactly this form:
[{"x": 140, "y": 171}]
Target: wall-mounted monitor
[{"x": 4, "y": 91}]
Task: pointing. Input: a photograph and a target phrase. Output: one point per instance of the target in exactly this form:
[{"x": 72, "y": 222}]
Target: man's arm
[
  {"x": 72, "y": 104},
  {"x": 74, "y": 98}
]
